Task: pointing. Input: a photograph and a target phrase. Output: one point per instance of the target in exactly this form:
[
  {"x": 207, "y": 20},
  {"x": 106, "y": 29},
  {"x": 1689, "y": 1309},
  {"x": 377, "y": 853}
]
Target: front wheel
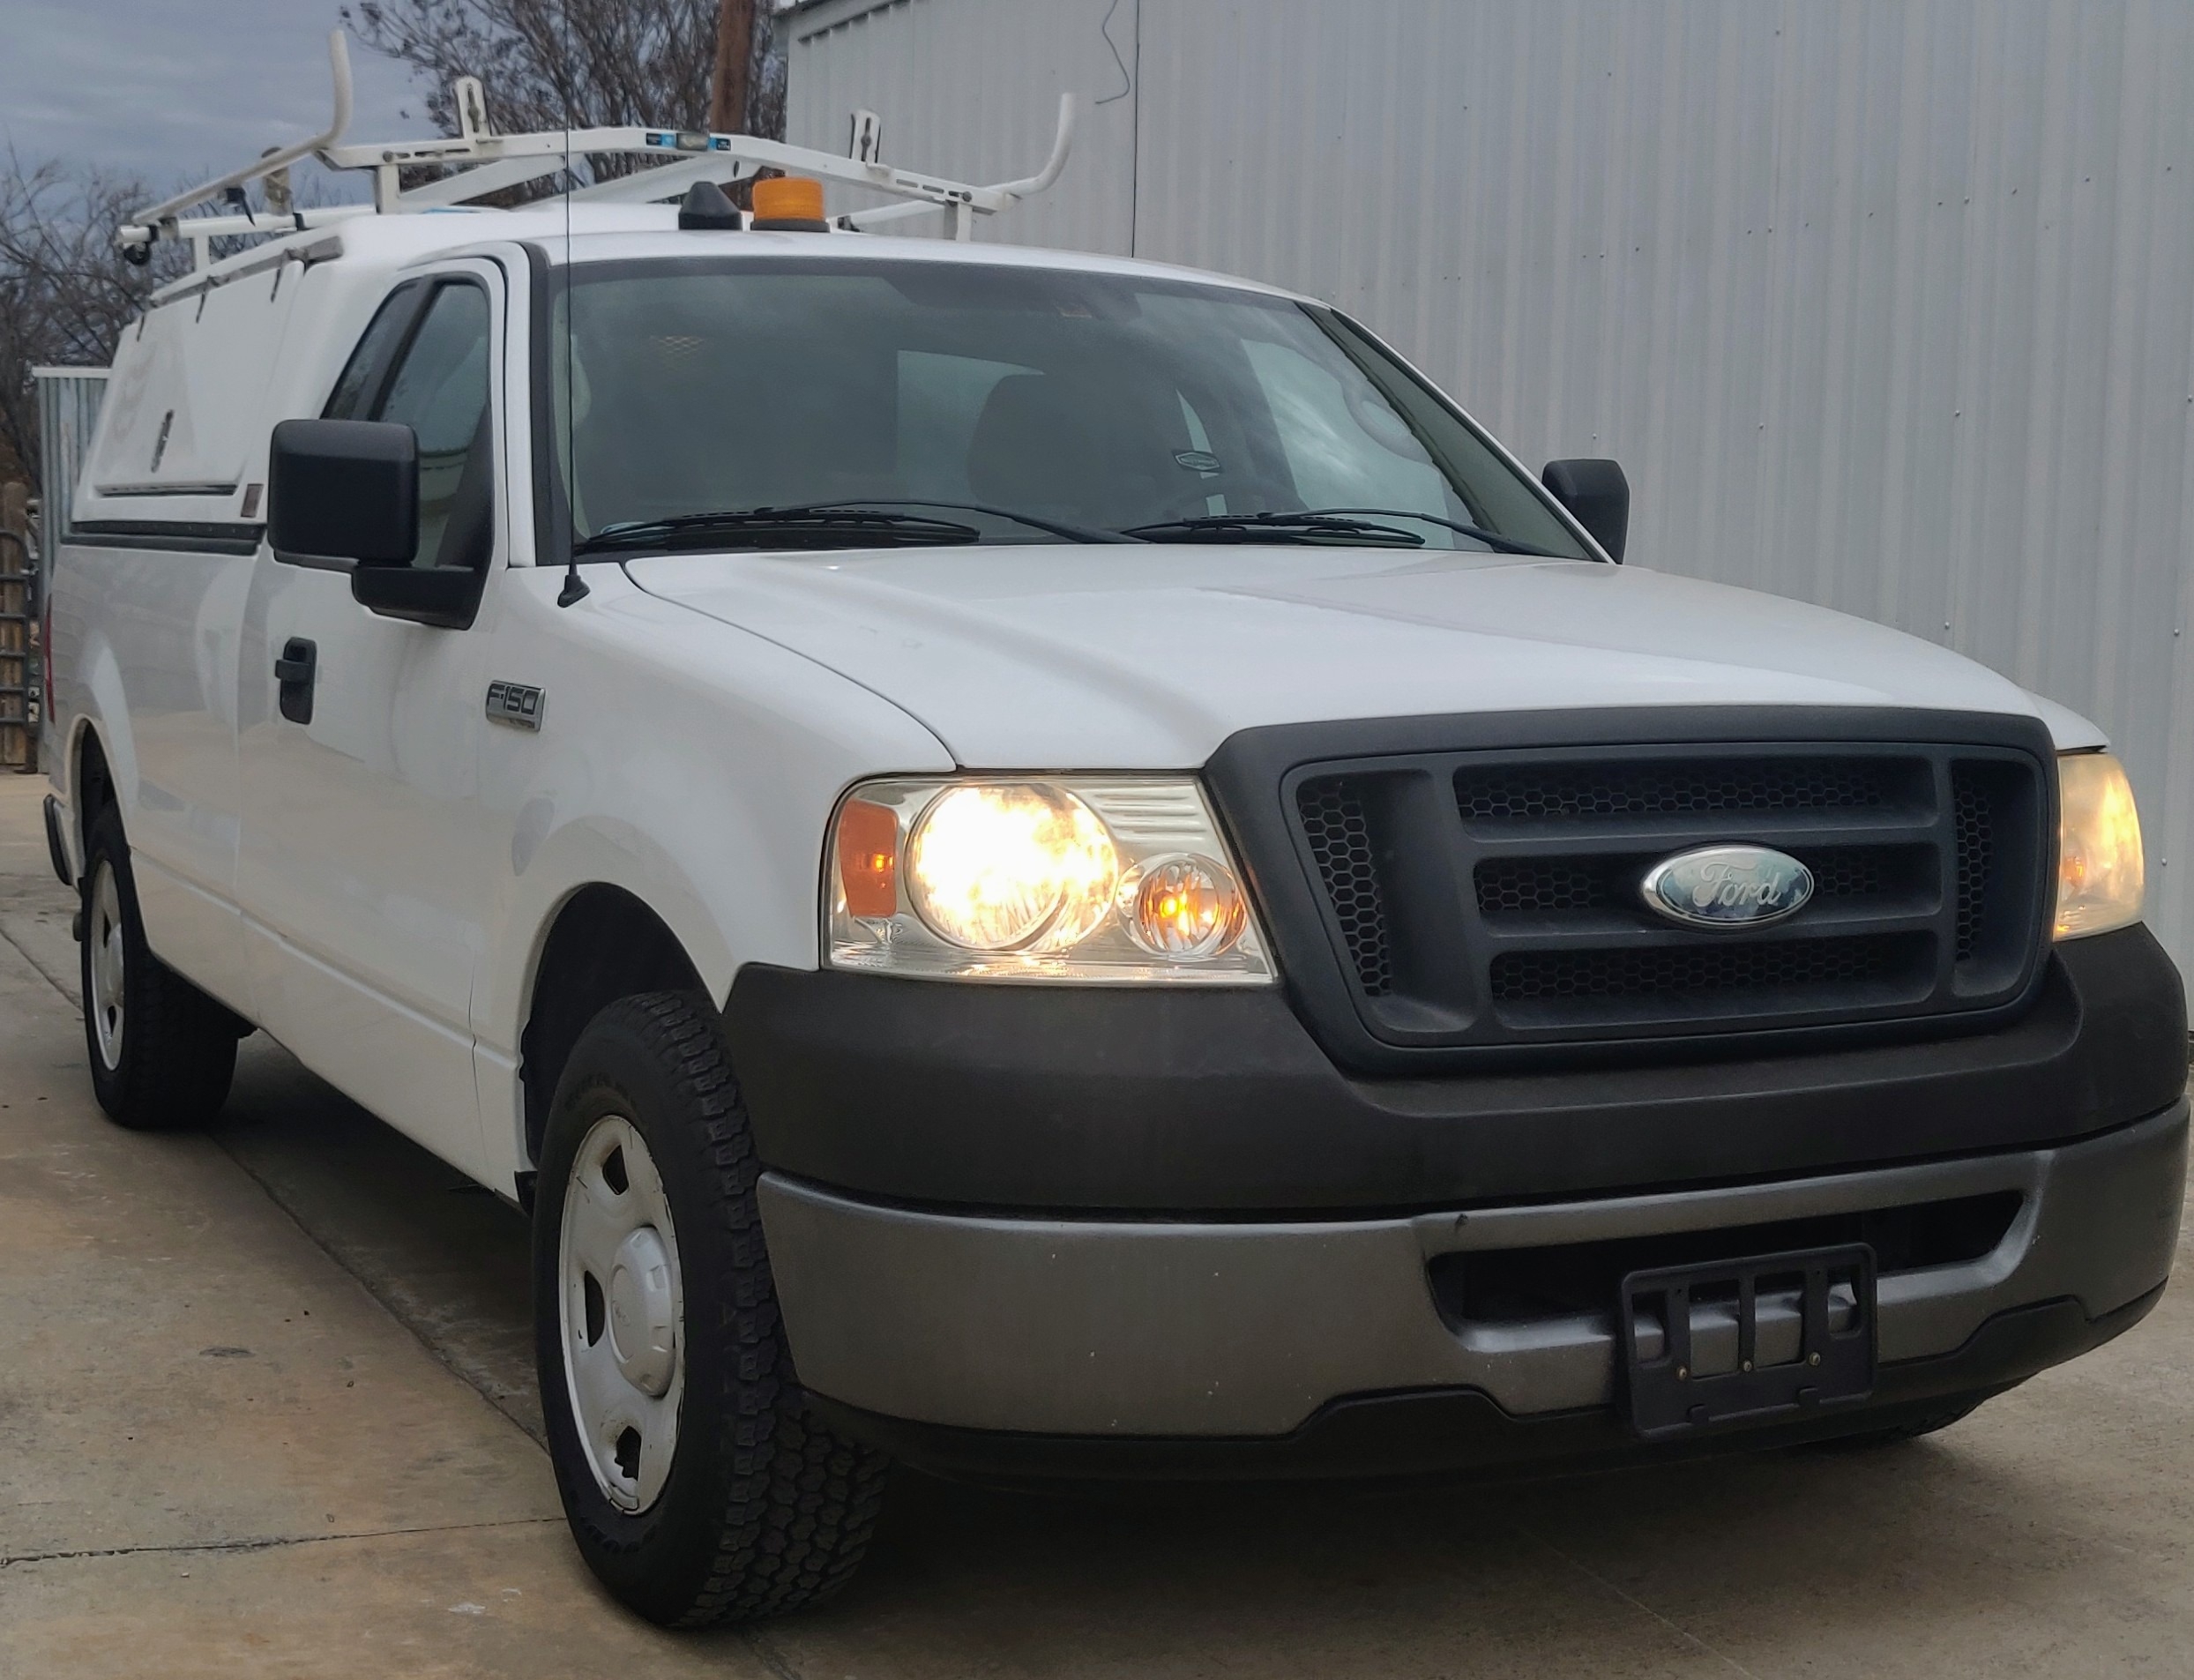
[
  {"x": 162, "y": 1052},
  {"x": 699, "y": 1487}
]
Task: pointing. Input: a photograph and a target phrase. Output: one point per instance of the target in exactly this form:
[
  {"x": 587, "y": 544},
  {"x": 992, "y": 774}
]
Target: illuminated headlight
[
  {"x": 1084, "y": 878},
  {"x": 2101, "y": 872}
]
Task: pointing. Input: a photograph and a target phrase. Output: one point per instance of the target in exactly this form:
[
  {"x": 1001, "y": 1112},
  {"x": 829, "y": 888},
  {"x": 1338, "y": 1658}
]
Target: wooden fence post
[{"x": 18, "y": 742}]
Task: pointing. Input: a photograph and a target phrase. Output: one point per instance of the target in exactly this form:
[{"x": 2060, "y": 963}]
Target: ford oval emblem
[{"x": 1727, "y": 888}]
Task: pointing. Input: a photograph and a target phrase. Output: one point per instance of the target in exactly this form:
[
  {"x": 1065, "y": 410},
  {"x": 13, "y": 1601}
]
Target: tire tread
[
  {"x": 178, "y": 1045},
  {"x": 798, "y": 1503}
]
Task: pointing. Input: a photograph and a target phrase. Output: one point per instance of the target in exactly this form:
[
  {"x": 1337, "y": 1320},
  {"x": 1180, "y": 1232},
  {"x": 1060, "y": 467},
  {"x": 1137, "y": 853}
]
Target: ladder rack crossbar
[
  {"x": 151, "y": 218},
  {"x": 501, "y": 160},
  {"x": 486, "y": 162}
]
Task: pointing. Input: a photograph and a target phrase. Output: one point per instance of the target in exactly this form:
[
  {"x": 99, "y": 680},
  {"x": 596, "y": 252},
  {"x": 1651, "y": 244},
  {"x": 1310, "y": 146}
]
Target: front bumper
[
  {"x": 1095, "y": 1100},
  {"x": 1221, "y": 1330},
  {"x": 1141, "y": 1228}
]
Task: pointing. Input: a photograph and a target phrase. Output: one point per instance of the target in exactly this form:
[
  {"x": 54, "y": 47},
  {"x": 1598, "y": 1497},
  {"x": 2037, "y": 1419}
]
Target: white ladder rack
[{"x": 489, "y": 162}]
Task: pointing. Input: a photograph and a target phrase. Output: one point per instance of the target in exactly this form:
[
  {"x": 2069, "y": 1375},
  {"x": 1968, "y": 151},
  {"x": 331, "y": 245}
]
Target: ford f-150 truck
[{"x": 1053, "y": 867}]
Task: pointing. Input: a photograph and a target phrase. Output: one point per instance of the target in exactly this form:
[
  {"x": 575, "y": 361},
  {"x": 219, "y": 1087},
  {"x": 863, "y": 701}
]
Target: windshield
[{"x": 957, "y": 402}]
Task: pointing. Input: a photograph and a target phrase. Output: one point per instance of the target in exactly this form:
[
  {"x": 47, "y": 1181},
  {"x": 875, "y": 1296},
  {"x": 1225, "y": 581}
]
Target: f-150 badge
[{"x": 517, "y": 704}]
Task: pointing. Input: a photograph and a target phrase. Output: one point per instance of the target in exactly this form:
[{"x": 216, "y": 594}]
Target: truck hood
[{"x": 1133, "y": 658}]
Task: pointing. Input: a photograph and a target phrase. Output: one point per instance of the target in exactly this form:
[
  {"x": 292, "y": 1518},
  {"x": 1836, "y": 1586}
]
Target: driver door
[{"x": 362, "y": 871}]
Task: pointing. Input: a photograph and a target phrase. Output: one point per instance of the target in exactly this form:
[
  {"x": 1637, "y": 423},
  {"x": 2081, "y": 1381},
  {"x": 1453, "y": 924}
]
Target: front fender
[
  {"x": 593, "y": 850},
  {"x": 683, "y": 761}
]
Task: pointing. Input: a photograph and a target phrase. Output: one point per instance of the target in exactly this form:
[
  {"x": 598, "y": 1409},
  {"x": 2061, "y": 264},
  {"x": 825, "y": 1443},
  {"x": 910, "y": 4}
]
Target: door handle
[{"x": 295, "y": 671}]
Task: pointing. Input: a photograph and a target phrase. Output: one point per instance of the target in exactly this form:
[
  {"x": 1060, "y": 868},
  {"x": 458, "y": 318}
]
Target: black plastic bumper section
[
  {"x": 55, "y": 846},
  {"x": 1095, "y": 1098}
]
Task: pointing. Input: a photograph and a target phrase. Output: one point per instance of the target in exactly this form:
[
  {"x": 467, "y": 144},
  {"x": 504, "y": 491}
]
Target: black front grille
[
  {"x": 1928, "y": 863},
  {"x": 1705, "y": 970},
  {"x": 1536, "y": 885},
  {"x": 1853, "y": 874},
  {"x": 1973, "y": 814},
  {"x": 1334, "y": 823},
  {"x": 1543, "y": 793},
  {"x": 1523, "y": 886}
]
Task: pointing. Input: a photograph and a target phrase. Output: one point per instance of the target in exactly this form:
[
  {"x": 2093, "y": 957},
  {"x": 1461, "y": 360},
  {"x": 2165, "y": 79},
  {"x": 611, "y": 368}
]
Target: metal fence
[
  {"x": 67, "y": 411},
  {"x": 68, "y": 414},
  {"x": 18, "y": 654}
]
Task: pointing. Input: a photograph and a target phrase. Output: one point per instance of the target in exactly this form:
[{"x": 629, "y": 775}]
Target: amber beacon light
[{"x": 790, "y": 204}]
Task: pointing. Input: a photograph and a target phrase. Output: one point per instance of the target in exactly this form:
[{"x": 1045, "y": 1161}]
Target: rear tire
[
  {"x": 698, "y": 1486},
  {"x": 162, "y": 1052}
]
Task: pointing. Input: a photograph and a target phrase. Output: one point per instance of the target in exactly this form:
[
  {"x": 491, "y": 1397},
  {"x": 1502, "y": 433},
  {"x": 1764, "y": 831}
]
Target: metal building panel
[
  {"x": 970, "y": 89},
  {"x": 1887, "y": 306},
  {"x": 69, "y": 401}
]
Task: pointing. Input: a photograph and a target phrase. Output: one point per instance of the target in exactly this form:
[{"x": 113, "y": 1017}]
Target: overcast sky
[{"x": 174, "y": 91}]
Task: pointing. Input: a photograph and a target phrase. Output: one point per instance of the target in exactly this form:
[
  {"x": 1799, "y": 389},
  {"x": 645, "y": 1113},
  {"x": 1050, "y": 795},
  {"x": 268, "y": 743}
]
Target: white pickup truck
[{"x": 1044, "y": 866}]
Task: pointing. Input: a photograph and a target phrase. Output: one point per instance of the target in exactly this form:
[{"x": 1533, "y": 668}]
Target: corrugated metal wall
[
  {"x": 1888, "y": 306},
  {"x": 68, "y": 414},
  {"x": 970, "y": 89}
]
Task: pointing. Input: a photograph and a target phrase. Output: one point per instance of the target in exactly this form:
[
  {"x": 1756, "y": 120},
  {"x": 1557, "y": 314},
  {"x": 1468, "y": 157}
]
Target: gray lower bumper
[{"x": 1091, "y": 1327}]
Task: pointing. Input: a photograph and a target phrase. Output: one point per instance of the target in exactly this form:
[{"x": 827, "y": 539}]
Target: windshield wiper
[
  {"x": 1057, "y": 527},
  {"x": 838, "y": 526},
  {"x": 1493, "y": 540},
  {"x": 1268, "y": 527},
  {"x": 862, "y": 520},
  {"x": 1316, "y": 523}
]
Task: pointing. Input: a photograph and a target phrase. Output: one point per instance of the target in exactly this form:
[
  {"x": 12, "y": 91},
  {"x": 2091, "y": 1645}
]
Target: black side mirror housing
[
  {"x": 447, "y": 597},
  {"x": 1597, "y": 495},
  {"x": 343, "y": 495},
  {"x": 343, "y": 491}
]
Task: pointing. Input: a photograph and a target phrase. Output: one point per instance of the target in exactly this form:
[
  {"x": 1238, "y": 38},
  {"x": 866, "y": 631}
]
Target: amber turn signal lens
[
  {"x": 868, "y": 859},
  {"x": 788, "y": 198},
  {"x": 1181, "y": 907}
]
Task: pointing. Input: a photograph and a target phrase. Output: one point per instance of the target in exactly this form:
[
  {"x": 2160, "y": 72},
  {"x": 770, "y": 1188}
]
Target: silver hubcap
[
  {"x": 623, "y": 1307},
  {"x": 102, "y": 933}
]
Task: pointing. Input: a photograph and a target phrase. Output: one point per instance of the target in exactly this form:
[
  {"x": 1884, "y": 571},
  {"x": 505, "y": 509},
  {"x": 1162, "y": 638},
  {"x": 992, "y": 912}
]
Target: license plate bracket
[{"x": 1715, "y": 1346}]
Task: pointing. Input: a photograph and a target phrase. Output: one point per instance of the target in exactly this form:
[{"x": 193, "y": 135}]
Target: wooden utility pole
[
  {"x": 734, "y": 53},
  {"x": 18, "y": 745}
]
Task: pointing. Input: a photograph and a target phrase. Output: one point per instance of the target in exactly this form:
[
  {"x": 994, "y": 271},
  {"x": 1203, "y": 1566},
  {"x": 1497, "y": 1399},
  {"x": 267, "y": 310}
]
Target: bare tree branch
[
  {"x": 65, "y": 292},
  {"x": 545, "y": 63}
]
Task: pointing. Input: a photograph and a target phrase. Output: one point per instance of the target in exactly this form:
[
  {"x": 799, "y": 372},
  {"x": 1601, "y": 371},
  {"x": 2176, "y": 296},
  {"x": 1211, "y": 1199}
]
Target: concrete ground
[{"x": 266, "y": 1409}]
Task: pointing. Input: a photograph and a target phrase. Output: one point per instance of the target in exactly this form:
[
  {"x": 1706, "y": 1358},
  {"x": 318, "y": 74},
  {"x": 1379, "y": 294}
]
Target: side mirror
[
  {"x": 343, "y": 495},
  {"x": 343, "y": 491},
  {"x": 1599, "y": 496},
  {"x": 447, "y": 597}
]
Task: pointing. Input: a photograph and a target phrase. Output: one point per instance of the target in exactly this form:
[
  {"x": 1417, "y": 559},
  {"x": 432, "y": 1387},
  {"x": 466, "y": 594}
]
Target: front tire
[
  {"x": 699, "y": 1487},
  {"x": 162, "y": 1052}
]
